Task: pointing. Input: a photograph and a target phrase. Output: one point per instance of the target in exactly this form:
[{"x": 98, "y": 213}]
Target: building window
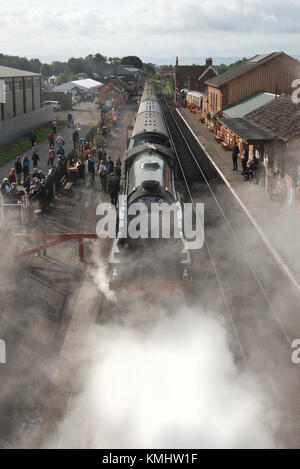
[
  {"x": 8, "y": 86},
  {"x": 28, "y": 85},
  {"x": 36, "y": 83},
  {"x": 18, "y": 86}
]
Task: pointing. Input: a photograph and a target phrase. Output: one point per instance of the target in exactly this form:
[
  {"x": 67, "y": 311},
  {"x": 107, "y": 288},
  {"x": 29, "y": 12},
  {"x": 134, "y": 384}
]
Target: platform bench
[{"x": 66, "y": 186}]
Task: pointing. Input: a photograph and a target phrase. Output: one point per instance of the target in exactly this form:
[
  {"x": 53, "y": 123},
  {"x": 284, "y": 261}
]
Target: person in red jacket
[
  {"x": 51, "y": 139},
  {"x": 12, "y": 176}
]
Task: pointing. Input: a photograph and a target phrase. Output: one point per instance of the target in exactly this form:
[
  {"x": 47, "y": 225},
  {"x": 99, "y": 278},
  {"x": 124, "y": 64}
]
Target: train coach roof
[
  {"x": 150, "y": 106},
  {"x": 149, "y": 93},
  {"x": 149, "y": 96},
  {"x": 150, "y": 122},
  {"x": 163, "y": 151}
]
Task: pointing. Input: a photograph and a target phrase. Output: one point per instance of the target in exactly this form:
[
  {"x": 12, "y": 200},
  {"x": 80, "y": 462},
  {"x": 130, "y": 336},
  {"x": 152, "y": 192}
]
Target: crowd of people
[
  {"x": 21, "y": 175},
  {"x": 26, "y": 178},
  {"x": 251, "y": 168},
  {"x": 254, "y": 169},
  {"x": 109, "y": 173}
]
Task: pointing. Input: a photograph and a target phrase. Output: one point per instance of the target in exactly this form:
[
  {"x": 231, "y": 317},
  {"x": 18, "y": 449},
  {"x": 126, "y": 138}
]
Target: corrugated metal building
[
  {"x": 20, "y": 103},
  {"x": 22, "y": 92}
]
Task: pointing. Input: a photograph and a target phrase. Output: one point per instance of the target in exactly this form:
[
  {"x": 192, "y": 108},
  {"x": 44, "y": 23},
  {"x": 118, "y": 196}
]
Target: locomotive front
[{"x": 150, "y": 251}]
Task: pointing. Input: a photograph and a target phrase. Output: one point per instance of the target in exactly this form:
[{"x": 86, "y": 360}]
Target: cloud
[{"x": 137, "y": 27}]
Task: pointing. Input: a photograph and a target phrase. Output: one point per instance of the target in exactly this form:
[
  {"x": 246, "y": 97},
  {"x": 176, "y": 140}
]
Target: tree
[
  {"x": 221, "y": 68},
  {"x": 77, "y": 65},
  {"x": 46, "y": 70},
  {"x": 58, "y": 67},
  {"x": 238, "y": 62},
  {"x": 35, "y": 65},
  {"x": 114, "y": 60},
  {"x": 132, "y": 60},
  {"x": 149, "y": 70}
]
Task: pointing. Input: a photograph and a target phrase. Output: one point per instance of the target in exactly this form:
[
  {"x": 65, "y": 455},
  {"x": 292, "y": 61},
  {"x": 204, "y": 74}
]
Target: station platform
[{"x": 277, "y": 223}]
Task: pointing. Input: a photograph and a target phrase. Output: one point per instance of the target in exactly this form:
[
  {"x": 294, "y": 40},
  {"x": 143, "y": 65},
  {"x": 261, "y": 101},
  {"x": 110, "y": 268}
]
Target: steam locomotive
[{"x": 149, "y": 262}]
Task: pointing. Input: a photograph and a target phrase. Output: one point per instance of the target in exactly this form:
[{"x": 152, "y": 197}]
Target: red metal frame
[{"x": 56, "y": 239}]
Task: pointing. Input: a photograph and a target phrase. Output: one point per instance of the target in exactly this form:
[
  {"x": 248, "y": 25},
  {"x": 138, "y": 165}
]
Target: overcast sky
[{"x": 59, "y": 29}]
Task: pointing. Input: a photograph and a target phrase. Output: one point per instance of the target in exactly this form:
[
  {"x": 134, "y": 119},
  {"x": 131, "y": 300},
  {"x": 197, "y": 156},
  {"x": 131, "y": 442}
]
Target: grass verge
[{"x": 22, "y": 144}]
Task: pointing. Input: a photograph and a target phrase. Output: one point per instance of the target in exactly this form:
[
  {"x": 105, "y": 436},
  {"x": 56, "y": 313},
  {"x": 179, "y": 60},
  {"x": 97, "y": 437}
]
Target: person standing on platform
[
  {"x": 101, "y": 154},
  {"x": 51, "y": 157},
  {"x": 110, "y": 166},
  {"x": 35, "y": 155},
  {"x": 114, "y": 189},
  {"x": 102, "y": 174},
  {"x": 19, "y": 170},
  {"x": 235, "y": 153},
  {"x": 245, "y": 157},
  {"x": 53, "y": 126},
  {"x": 75, "y": 138},
  {"x": 26, "y": 167},
  {"x": 51, "y": 139},
  {"x": 70, "y": 119},
  {"x": 91, "y": 168},
  {"x": 5, "y": 189},
  {"x": 118, "y": 168},
  {"x": 32, "y": 137},
  {"x": 12, "y": 176}
]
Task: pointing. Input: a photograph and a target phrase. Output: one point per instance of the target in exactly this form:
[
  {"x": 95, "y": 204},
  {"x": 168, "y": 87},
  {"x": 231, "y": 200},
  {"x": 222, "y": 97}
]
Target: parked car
[{"x": 56, "y": 105}]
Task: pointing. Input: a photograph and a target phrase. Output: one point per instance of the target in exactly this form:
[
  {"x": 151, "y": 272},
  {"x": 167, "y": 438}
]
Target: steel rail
[
  {"x": 229, "y": 312},
  {"x": 251, "y": 267}
]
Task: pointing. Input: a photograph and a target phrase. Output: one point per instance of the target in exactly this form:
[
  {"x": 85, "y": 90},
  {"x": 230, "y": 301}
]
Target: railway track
[
  {"x": 261, "y": 306},
  {"x": 190, "y": 157},
  {"x": 192, "y": 173}
]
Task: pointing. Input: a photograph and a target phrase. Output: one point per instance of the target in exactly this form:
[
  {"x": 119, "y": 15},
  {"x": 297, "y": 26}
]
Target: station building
[
  {"x": 270, "y": 126},
  {"x": 114, "y": 93},
  {"x": 272, "y": 73},
  {"x": 192, "y": 77},
  {"x": 22, "y": 92},
  {"x": 20, "y": 103}
]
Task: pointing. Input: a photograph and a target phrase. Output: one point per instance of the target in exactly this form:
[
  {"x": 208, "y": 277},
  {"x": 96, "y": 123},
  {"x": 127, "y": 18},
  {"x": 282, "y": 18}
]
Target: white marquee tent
[{"x": 85, "y": 85}]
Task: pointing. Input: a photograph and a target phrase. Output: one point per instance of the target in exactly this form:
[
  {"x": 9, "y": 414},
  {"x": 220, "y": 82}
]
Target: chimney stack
[
  {"x": 209, "y": 61},
  {"x": 177, "y": 61}
]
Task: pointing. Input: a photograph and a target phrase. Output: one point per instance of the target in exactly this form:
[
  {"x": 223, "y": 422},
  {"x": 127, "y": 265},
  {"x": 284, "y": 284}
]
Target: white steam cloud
[{"x": 171, "y": 384}]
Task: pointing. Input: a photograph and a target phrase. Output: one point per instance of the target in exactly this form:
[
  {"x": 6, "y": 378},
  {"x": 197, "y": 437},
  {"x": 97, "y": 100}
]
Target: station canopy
[{"x": 85, "y": 85}]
